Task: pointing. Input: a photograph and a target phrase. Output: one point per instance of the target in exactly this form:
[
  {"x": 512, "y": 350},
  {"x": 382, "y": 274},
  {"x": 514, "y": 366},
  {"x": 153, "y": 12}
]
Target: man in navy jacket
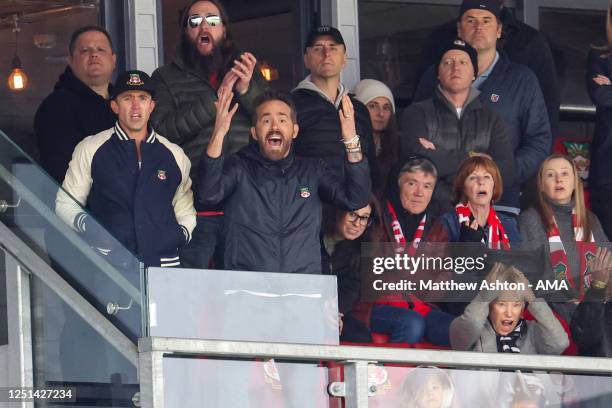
[
  {"x": 272, "y": 197},
  {"x": 134, "y": 182},
  {"x": 507, "y": 88}
]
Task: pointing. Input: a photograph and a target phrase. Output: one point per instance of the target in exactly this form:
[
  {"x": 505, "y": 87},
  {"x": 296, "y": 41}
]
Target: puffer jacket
[
  {"x": 273, "y": 208},
  {"x": 513, "y": 92},
  {"x": 185, "y": 110},
  {"x": 479, "y": 129}
]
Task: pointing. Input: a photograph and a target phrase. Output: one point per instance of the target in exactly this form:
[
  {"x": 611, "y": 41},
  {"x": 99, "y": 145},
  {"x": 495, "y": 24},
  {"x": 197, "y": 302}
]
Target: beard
[{"x": 207, "y": 65}]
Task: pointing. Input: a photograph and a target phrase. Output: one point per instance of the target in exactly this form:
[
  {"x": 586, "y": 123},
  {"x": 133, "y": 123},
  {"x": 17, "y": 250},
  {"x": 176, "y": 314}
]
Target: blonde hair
[{"x": 546, "y": 213}]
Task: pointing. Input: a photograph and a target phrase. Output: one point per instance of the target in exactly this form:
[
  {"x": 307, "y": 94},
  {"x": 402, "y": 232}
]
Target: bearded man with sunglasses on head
[{"x": 186, "y": 89}]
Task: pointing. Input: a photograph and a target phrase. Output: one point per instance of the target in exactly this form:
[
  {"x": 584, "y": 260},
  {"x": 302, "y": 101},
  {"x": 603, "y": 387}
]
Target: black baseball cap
[
  {"x": 323, "y": 30},
  {"x": 133, "y": 80},
  {"x": 491, "y": 6},
  {"x": 461, "y": 45}
]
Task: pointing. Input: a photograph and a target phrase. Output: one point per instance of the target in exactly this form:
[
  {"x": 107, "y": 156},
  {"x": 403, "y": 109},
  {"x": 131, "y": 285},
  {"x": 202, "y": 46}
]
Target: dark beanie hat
[
  {"x": 491, "y": 6},
  {"x": 465, "y": 47}
]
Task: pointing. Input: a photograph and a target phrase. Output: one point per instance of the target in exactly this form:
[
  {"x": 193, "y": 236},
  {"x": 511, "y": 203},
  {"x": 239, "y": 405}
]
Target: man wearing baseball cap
[
  {"x": 133, "y": 182},
  {"x": 511, "y": 90},
  {"x": 318, "y": 99},
  {"x": 454, "y": 123}
]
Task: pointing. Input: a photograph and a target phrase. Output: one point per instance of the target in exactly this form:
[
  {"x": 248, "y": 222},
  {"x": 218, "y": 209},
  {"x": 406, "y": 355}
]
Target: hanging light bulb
[{"x": 17, "y": 80}]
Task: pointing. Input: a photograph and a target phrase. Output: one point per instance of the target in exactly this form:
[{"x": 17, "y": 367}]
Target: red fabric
[
  {"x": 497, "y": 234},
  {"x": 572, "y": 349}
]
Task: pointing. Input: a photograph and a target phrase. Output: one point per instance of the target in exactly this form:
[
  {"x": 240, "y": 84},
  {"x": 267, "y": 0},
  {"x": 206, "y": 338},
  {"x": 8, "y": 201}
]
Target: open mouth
[
  {"x": 135, "y": 115},
  {"x": 559, "y": 188},
  {"x": 274, "y": 140},
  {"x": 507, "y": 325},
  {"x": 481, "y": 193},
  {"x": 205, "y": 39}
]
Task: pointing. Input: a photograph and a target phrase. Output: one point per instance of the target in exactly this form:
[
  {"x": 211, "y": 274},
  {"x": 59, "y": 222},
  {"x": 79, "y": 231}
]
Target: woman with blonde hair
[{"x": 561, "y": 223}]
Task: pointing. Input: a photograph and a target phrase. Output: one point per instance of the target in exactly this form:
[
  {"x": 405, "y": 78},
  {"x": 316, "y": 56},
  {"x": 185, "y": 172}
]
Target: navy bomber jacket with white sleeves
[{"x": 146, "y": 206}]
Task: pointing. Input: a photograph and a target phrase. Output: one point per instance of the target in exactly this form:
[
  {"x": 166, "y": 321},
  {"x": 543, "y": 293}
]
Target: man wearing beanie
[
  {"x": 134, "y": 183},
  {"x": 522, "y": 43},
  {"x": 454, "y": 123},
  {"x": 318, "y": 99},
  {"x": 511, "y": 90}
]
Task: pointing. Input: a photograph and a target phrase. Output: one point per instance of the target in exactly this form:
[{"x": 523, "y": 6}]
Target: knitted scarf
[
  {"x": 496, "y": 235},
  {"x": 558, "y": 256},
  {"x": 507, "y": 343},
  {"x": 398, "y": 234}
]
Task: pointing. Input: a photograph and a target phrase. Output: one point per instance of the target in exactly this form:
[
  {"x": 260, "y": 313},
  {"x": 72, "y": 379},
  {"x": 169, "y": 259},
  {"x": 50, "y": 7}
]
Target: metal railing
[{"x": 354, "y": 359}]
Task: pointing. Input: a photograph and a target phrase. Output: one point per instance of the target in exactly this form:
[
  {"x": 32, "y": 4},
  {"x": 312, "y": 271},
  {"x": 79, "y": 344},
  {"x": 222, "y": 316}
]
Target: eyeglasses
[
  {"x": 364, "y": 220},
  {"x": 195, "y": 20}
]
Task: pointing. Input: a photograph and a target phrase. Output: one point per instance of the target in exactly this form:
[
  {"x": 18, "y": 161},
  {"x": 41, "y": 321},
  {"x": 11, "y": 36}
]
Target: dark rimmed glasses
[
  {"x": 195, "y": 20},
  {"x": 364, "y": 220}
]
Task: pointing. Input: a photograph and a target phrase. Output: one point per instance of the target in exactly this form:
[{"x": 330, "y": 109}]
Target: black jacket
[
  {"x": 479, "y": 130},
  {"x": 320, "y": 135},
  {"x": 600, "y": 171},
  {"x": 522, "y": 43},
  {"x": 185, "y": 110},
  {"x": 273, "y": 209},
  {"x": 70, "y": 113},
  {"x": 592, "y": 325},
  {"x": 512, "y": 91}
]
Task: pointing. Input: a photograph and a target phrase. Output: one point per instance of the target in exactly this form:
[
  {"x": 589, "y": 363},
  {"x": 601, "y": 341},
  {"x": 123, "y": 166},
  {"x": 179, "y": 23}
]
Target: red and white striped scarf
[
  {"x": 497, "y": 234},
  {"x": 398, "y": 234},
  {"x": 558, "y": 256}
]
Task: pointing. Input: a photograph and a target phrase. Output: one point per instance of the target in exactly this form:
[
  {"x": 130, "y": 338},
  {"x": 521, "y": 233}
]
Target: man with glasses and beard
[{"x": 186, "y": 90}]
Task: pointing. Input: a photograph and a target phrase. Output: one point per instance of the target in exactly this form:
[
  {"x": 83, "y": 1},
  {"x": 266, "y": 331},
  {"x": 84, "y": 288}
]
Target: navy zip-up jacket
[
  {"x": 273, "y": 208},
  {"x": 147, "y": 206}
]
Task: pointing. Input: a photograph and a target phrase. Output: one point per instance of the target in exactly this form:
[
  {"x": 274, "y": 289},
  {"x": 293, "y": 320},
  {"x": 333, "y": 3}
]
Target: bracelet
[
  {"x": 354, "y": 140},
  {"x": 354, "y": 150},
  {"x": 597, "y": 284}
]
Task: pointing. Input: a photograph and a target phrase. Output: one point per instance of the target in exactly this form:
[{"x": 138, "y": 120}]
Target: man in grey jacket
[
  {"x": 186, "y": 91},
  {"x": 493, "y": 323}
]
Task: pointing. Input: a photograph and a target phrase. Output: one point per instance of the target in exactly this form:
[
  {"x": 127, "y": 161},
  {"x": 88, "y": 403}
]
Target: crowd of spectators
[{"x": 201, "y": 165}]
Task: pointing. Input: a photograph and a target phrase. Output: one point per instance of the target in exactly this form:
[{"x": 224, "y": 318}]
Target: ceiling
[{"x": 30, "y": 10}]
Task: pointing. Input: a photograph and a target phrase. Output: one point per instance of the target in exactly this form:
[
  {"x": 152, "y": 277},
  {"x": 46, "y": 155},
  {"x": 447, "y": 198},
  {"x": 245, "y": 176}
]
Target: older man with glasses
[{"x": 186, "y": 90}]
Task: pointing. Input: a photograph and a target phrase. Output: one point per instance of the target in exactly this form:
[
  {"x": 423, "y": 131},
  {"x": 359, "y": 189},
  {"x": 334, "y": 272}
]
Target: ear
[
  {"x": 458, "y": 31},
  {"x": 306, "y": 64},
  {"x": 296, "y": 130},
  {"x": 499, "y": 30},
  {"x": 114, "y": 106},
  {"x": 253, "y": 133},
  {"x": 114, "y": 61},
  {"x": 152, "y": 106}
]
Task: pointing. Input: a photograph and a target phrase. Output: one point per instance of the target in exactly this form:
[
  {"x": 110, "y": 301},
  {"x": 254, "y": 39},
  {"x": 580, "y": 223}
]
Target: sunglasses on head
[{"x": 195, "y": 20}]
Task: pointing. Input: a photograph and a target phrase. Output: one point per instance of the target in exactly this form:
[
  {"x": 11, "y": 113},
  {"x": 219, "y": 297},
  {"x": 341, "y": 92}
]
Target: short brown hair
[{"x": 467, "y": 167}]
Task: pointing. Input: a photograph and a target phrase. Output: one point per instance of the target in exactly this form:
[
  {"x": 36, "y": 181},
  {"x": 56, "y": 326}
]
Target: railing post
[
  {"x": 356, "y": 380},
  {"x": 151, "y": 376},
  {"x": 19, "y": 326}
]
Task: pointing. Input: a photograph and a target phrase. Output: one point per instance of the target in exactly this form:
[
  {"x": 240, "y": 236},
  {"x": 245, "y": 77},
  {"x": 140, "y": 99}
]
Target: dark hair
[
  {"x": 273, "y": 95},
  {"x": 418, "y": 163},
  {"x": 373, "y": 233},
  {"x": 77, "y": 33},
  {"x": 227, "y": 49}
]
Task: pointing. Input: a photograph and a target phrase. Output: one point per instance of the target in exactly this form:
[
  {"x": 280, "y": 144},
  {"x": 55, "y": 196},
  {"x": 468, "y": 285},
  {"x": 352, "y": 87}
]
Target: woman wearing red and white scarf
[
  {"x": 477, "y": 185},
  {"x": 563, "y": 228}
]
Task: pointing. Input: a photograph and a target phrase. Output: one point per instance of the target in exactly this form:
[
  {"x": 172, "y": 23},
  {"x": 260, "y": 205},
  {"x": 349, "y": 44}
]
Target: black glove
[{"x": 468, "y": 234}]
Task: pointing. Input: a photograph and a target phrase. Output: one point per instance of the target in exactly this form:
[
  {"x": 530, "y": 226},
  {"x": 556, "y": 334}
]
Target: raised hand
[
  {"x": 229, "y": 80},
  {"x": 601, "y": 265},
  {"x": 243, "y": 69},
  {"x": 223, "y": 121},
  {"x": 347, "y": 119}
]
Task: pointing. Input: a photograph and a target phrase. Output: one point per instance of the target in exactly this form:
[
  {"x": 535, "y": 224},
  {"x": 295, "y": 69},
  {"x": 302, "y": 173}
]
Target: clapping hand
[
  {"x": 223, "y": 121},
  {"x": 243, "y": 68}
]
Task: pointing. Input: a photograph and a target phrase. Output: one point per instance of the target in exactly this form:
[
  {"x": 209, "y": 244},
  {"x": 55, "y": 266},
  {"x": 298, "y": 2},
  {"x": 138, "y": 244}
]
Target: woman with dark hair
[
  {"x": 562, "y": 224},
  {"x": 598, "y": 79},
  {"x": 377, "y": 97},
  {"x": 478, "y": 184},
  {"x": 344, "y": 233}
]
